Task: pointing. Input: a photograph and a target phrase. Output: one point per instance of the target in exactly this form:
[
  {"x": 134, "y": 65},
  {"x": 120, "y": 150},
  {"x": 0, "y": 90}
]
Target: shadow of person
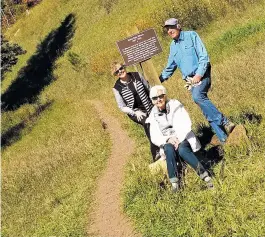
[
  {"x": 38, "y": 73},
  {"x": 211, "y": 156},
  {"x": 204, "y": 134}
]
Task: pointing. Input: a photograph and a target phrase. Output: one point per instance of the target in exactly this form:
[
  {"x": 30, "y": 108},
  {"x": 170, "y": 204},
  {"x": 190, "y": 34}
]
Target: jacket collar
[
  {"x": 119, "y": 83},
  {"x": 157, "y": 111},
  {"x": 180, "y": 38}
]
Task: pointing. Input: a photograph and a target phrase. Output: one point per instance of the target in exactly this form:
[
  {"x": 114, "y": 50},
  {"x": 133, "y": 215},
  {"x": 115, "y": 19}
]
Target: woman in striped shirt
[{"x": 131, "y": 92}]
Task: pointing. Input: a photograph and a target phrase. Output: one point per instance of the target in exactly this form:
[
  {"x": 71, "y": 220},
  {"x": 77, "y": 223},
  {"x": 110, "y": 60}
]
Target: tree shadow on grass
[
  {"x": 38, "y": 73},
  {"x": 14, "y": 134}
]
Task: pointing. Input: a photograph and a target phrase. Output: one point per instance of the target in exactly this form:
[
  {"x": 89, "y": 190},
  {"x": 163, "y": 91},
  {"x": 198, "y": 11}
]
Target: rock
[
  {"x": 237, "y": 144},
  {"x": 238, "y": 137},
  {"x": 158, "y": 166},
  {"x": 215, "y": 141}
]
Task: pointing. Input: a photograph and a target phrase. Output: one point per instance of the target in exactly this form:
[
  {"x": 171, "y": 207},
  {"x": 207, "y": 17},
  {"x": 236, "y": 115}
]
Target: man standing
[{"x": 188, "y": 53}]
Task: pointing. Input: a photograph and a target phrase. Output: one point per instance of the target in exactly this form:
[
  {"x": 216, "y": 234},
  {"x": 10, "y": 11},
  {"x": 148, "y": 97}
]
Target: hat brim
[{"x": 168, "y": 25}]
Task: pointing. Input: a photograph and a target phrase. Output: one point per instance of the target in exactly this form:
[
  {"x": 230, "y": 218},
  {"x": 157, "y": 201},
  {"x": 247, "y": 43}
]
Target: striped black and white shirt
[{"x": 133, "y": 95}]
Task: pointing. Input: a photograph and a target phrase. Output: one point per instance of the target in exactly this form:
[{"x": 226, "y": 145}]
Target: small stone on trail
[{"x": 104, "y": 125}]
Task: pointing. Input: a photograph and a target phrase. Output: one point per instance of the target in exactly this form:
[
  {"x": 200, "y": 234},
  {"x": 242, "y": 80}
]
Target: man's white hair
[{"x": 157, "y": 90}]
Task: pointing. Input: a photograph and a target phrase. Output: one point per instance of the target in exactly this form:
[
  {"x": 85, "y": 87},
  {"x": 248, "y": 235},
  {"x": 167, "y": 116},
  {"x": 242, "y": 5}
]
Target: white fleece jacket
[{"x": 180, "y": 121}]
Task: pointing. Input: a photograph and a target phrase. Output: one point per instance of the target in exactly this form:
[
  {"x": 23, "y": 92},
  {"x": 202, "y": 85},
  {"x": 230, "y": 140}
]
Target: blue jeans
[
  {"x": 185, "y": 152},
  {"x": 216, "y": 119}
]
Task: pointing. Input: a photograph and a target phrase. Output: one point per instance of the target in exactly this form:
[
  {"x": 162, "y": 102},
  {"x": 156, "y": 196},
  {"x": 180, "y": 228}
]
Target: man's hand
[
  {"x": 188, "y": 83},
  {"x": 174, "y": 141},
  {"x": 139, "y": 115},
  {"x": 196, "y": 79}
]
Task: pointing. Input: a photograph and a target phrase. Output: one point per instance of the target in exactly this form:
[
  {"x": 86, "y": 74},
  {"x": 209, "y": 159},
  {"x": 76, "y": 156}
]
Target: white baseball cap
[{"x": 157, "y": 90}]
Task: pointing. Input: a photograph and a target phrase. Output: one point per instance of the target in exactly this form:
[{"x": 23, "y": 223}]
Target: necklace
[{"x": 126, "y": 82}]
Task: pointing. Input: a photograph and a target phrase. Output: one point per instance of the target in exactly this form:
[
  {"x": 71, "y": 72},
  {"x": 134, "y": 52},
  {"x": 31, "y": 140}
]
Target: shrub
[{"x": 9, "y": 53}]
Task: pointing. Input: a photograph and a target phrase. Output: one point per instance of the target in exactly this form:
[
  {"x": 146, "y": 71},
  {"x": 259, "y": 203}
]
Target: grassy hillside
[
  {"x": 54, "y": 147},
  {"x": 48, "y": 175},
  {"x": 236, "y": 206}
]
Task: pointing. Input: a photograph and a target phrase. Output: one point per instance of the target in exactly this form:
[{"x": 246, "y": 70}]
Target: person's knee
[
  {"x": 168, "y": 148},
  {"x": 197, "y": 98},
  {"x": 183, "y": 150}
]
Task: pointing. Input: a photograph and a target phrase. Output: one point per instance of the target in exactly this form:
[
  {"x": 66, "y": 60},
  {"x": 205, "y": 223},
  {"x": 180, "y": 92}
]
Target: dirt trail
[{"x": 108, "y": 219}]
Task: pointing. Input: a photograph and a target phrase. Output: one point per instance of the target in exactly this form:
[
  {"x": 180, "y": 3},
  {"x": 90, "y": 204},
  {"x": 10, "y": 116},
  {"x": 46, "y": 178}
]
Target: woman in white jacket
[{"x": 170, "y": 129}]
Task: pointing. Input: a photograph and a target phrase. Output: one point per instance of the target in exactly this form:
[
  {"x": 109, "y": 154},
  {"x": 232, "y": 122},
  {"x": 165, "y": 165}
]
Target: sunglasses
[
  {"x": 120, "y": 69},
  {"x": 160, "y": 97}
]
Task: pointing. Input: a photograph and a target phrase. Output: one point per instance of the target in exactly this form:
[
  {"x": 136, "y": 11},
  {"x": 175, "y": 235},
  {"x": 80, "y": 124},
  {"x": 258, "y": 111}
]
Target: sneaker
[
  {"x": 210, "y": 185},
  {"x": 175, "y": 187},
  {"x": 157, "y": 157},
  {"x": 209, "y": 182},
  {"x": 229, "y": 127}
]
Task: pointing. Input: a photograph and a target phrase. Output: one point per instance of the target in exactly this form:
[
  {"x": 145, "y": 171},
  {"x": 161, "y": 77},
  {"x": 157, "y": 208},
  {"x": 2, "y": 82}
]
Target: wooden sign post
[{"x": 139, "y": 48}]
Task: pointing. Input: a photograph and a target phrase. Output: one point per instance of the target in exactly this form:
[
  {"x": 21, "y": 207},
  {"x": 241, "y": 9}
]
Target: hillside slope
[{"x": 54, "y": 147}]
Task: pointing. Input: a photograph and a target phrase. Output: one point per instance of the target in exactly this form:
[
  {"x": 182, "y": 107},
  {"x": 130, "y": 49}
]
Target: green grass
[
  {"x": 236, "y": 206},
  {"x": 236, "y": 38},
  {"x": 49, "y": 176},
  {"x": 50, "y": 169}
]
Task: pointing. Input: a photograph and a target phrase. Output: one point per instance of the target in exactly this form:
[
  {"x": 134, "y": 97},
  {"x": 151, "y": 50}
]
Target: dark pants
[
  {"x": 185, "y": 153},
  {"x": 153, "y": 148}
]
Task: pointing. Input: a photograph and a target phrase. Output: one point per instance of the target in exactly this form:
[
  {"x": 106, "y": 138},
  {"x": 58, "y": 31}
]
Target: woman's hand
[
  {"x": 139, "y": 115},
  {"x": 174, "y": 141}
]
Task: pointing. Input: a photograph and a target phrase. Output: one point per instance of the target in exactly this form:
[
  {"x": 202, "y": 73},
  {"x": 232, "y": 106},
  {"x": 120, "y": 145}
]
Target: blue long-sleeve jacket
[{"x": 187, "y": 53}]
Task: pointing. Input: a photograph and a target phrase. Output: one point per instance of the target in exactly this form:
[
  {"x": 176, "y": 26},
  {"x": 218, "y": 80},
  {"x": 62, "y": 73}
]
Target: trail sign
[{"x": 139, "y": 47}]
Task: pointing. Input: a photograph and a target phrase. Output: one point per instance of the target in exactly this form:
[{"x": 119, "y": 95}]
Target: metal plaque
[{"x": 139, "y": 47}]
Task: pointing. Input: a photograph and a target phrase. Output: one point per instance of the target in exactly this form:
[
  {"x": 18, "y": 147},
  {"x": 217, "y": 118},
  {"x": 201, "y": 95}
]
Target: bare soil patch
[{"x": 108, "y": 219}]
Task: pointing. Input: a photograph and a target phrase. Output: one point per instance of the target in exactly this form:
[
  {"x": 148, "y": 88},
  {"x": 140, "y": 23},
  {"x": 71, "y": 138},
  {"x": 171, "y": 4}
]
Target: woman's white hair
[{"x": 157, "y": 90}]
